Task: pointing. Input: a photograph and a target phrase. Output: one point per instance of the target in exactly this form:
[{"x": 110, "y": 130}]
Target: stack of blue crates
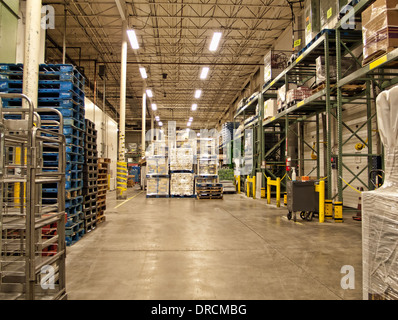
[{"x": 61, "y": 86}]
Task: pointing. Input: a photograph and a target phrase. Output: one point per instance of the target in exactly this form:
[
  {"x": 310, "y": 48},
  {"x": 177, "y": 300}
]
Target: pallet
[
  {"x": 209, "y": 197},
  {"x": 378, "y": 54},
  {"x": 101, "y": 218},
  {"x": 348, "y": 89},
  {"x": 157, "y": 196},
  {"x": 182, "y": 196}
]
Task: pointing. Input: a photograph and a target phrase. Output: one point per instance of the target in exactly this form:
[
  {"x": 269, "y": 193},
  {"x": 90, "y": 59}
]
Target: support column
[
  {"x": 32, "y": 51},
  {"x": 143, "y": 125},
  {"x": 122, "y": 165},
  {"x": 152, "y": 127}
]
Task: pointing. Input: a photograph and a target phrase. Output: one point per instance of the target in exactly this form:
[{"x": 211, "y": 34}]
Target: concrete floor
[{"x": 235, "y": 248}]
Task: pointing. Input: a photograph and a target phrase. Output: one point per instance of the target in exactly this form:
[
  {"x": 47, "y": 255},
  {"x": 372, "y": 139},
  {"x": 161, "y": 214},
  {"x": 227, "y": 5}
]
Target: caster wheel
[
  {"x": 309, "y": 216},
  {"x": 289, "y": 215},
  {"x": 302, "y": 215}
]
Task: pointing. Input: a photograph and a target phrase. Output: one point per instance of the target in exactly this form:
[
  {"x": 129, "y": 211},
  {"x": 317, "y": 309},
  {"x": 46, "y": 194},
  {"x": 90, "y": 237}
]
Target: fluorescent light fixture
[
  {"x": 143, "y": 73},
  {"x": 154, "y": 107},
  {"x": 133, "y": 39},
  {"x": 194, "y": 107},
  {"x": 190, "y": 119},
  {"x": 157, "y": 118},
  {"x": 204, "y": 73},
  {"x": 198, "y": 134},
  {"x": 149, "y": 93},
  {"x": 198, "y": 93},
  {"x": 215, "y": 41},
  {"x": 188, "y": 124},
  {"x": 160, "y": 124}
]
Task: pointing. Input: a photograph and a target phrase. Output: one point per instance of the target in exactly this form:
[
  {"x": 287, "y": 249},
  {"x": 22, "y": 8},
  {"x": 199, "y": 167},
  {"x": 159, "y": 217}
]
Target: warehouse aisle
[{"x": 236, "y": 248}]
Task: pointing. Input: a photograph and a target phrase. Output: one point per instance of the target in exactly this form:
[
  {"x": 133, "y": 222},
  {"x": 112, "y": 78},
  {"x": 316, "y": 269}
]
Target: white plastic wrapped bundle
[
  {"x": 181, "y": 184},
  {"x": 181, "y": 159},
  {"x": 380, "y": 210}
]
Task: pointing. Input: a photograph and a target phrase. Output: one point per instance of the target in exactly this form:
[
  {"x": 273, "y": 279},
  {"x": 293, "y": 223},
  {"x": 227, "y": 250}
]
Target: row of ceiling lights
[{"x": 205, "y": 71}]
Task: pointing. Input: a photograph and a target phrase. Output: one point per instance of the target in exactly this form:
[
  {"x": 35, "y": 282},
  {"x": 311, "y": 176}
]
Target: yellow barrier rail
[
  {"x": 320, "y": 188},
  {"x": 253, "y": 182},
  {"x": 277, "y": 184},
  {"x": 237, "y": 183}
]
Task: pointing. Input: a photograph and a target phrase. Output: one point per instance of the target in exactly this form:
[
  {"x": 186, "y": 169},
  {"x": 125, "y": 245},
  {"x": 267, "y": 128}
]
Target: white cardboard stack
[{"x": 380, "y": 211}]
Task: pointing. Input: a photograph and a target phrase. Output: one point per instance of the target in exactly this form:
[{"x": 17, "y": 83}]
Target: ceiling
[{"x": 174, "y": 38}]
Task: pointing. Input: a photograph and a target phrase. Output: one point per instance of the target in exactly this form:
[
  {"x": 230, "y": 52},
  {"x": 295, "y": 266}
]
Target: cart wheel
[
  {"x": 309, "y": 216},
  {"x": 289, "y": 215},
  {"x": 302, "y": 215}
]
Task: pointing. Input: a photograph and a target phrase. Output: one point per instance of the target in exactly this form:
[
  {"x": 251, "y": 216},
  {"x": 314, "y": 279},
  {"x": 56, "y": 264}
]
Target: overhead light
[
  {"x": 133, "y": 39},
  {"x": 215, "y": 41},
  {"x": 190, "y": 119},
  {"x": 154, "y": 107},
  {"x": 160, "y": 124},
  {"x": 143, "y": 73},
  {"x": 194, "y": 107},
  {"x": 149, "y": 93},
  {"x": 198, "y": 134},
  {"x": 188, "y": 124},
  {"x": 204, "y": 73},
  {"x": 157, "y": 118},
  {"x": 198, "y": 93}
]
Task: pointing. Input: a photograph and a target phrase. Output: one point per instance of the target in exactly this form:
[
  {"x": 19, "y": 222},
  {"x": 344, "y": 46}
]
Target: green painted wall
[{"x": 8, "y": 31}]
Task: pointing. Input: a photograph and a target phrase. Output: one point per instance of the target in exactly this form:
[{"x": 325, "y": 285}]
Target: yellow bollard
[
  {"x": 278, "y": 192},
  {"x": 338, "y": 211},
  {"x": 328, "y": 209},
  {"x": 268, "y": 190},
  {"x": 254, "y": 187},
  {"x": 262, "y": 193},
  {"x": 285, "y": 199},
  {"x": 320, "y": 188}
]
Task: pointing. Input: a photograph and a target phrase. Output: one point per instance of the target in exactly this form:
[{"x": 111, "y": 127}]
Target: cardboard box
[
  {"x": 282, "y": 95},
  {"x": 274, "y": 64},
  {"x": 311, "y": 19},
  {"x": 348, "y": 66},
  {"x": 328, "y": 11},
  {"x": 270, "y": 108},
  {"x": 182, "y": 184},
  {"x": 298, "y": 94},
  {"x": 379, "y": 29}
]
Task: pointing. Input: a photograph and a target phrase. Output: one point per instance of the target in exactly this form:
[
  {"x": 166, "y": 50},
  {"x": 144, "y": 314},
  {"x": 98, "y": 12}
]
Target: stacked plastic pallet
[
  {"x": 227, "y": 132},
  {"x": 90, "y": 176},
  {"x": 61, "y": 87},
  {"x": 102, "y": 187}
]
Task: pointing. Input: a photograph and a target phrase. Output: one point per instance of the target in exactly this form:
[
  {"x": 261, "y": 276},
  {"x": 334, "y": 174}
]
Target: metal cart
[{"x": 302, "y": 197}]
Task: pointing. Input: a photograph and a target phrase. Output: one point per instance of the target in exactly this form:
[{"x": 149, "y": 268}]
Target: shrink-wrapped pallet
[
  {"x": 181, "y": 184},
  {"x": 181, "y": 159},
  {"x": 379, "y": 28},
  {"x": 380, "y": 210}
]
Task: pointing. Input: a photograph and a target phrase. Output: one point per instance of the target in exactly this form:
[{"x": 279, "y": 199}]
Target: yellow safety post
[
  {"x": 17, "y": 186},
  {"x": 262, "y": 193},
  {"x": 338, "y": 211},
  {"x": 277, "y": 184},
  {"x": 320, "y": 188},
  {"x": 237, "y": 183},
  {"x": 328, "y": 209},
  {"x": 285, "y": 199},
  {"x": 253, "y": 182},
  {"x": 121, "y": 178}
]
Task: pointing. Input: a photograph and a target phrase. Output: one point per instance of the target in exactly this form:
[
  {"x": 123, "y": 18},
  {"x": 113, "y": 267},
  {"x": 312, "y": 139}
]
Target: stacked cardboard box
[
  {"x": 274, "y": 63},
  {"x": 379, "y": 29},
  {"x": 181, "y": 184}
]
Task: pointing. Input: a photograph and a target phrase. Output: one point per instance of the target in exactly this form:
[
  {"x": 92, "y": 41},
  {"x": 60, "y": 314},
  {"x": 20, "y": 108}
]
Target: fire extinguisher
[{"x": 288, "y": 163}]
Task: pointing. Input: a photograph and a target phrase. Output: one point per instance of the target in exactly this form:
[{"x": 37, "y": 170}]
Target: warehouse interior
[{"x": 198, "y": 150}]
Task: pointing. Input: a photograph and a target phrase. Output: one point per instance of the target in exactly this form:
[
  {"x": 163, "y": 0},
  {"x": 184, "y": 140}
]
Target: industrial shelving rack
[
  {"x": 326, "y": 103},
  {"x": 32, "y": 242},
  {"x": 90, "y": 177}
]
